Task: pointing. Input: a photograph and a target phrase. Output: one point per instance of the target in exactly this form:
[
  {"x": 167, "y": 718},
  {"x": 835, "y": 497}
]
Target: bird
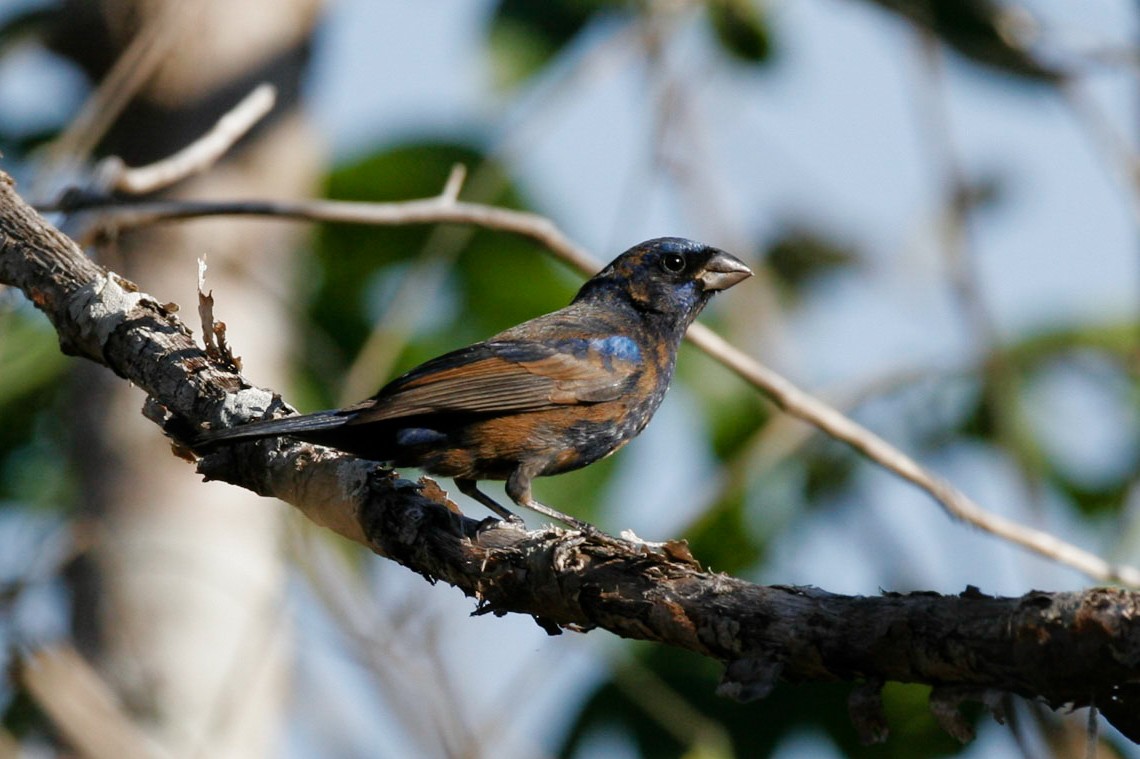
[{"x": 550, "y": 395}]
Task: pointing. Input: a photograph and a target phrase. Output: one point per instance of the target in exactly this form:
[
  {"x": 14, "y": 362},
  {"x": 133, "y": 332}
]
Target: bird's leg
[
  {"x": 518, "y": 488},
  {"x": 471, "y": 490}
]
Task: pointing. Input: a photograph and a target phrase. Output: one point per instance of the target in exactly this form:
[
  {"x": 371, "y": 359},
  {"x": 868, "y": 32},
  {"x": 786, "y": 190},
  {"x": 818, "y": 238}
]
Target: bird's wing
[{"x": 509, "y": 377}]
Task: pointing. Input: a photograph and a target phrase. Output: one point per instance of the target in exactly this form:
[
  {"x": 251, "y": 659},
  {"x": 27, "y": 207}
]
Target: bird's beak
[{"x": 722, "y": 272}]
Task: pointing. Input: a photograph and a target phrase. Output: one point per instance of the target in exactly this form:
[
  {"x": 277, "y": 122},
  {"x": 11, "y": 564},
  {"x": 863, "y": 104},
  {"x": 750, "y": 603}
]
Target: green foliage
[
  {"x": 25, "y": 25},
  {"x": 986, "y": 417},
  {"x": 1108, "y": 498},
  {"x": 526, "y": 35},
  {"x": 799, "y": 256},
  {"x": 723, "y": 540},
  {"x": 914, "y": 732},
  {"x": 22, "y": 717},
  {"x": 19, "y": 145},
  {"x": 979, "y": 30},
  {"x": 741, "y": 29},
  {"x": 732, "y": 419},
  {"x": 30, "y": 369},
  {"x": 29, "y": 360},
  {"x": 674, "y": 712},
  {"x": 829, "y": 467},
  {"x": 1115, "y": 340}
]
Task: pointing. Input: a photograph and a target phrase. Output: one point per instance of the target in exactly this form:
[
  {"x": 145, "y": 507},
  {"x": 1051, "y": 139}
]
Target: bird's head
[{"x": 670, "y": 276}]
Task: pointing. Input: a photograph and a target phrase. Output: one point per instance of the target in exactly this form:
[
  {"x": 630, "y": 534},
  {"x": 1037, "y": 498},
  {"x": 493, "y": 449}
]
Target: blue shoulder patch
[{"x": 617, "y": 346}]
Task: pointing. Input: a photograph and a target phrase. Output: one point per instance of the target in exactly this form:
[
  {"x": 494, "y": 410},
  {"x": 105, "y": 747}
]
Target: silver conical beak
[{"x": 722, "y": 272}]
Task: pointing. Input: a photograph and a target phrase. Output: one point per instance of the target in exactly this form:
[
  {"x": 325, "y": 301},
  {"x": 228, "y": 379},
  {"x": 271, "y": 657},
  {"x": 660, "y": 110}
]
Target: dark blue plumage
[{"x": 550, "y": 395}]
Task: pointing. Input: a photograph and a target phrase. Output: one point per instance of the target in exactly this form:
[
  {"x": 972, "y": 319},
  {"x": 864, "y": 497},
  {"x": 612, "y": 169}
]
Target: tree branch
[
  {"x": 115, "y": 216},
  {"x": 1074, "y": 648}
]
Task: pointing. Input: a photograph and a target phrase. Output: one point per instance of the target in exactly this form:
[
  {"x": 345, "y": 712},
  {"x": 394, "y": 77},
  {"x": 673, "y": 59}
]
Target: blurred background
[{"x": 940, "y": 198}]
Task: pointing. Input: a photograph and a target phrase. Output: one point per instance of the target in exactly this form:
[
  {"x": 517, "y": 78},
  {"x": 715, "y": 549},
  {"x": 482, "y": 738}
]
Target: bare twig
[
  {"x": 195, "y": 157},
  {"x": 782, "y": 392},
  {"x": 123, "y": 215},
  {"x": 454, "y": 183}
]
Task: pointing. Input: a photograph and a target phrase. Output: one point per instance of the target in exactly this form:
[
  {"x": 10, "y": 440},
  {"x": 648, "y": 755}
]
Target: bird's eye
[{"x": 673, "y": 263}]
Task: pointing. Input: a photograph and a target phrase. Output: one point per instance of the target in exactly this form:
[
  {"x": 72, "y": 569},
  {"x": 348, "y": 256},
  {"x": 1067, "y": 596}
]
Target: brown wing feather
[{"x": 476, "y": 382}]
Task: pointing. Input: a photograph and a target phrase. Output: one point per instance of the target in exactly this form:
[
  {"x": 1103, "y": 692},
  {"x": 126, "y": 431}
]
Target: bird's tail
[{"x": 302, "y": 426}]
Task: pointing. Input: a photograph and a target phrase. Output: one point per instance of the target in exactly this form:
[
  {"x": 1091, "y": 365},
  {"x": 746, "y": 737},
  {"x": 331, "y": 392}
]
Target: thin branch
[
  {"x": 788, "y": 397},
  {"x": 195, "y": 157},
  {"x": 454, "y": 183}
]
